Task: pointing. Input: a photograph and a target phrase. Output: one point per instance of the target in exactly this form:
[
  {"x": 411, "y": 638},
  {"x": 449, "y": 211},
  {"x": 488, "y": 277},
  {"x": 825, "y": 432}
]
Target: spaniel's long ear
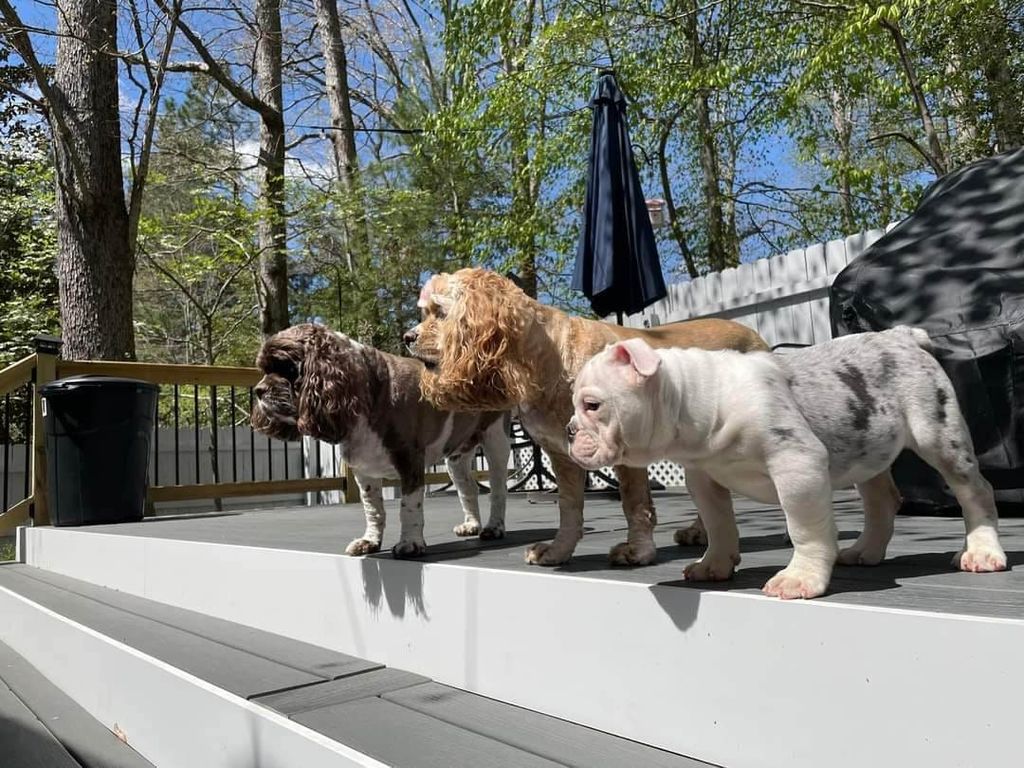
[
  {"x": 333, "y": 389},
  {"x": 481, "y": 341}
]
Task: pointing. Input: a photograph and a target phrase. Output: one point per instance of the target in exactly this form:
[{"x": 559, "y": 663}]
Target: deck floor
[{"x": 916, "y": 574}]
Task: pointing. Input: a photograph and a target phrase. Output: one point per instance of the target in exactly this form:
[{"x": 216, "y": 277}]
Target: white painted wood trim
[
  {"x": 169, "y": 716},
  {"x": 734, "y": 679}
]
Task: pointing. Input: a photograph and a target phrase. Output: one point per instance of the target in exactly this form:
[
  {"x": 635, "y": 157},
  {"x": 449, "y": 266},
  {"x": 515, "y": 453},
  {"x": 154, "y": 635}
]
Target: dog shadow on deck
[{"x": 399, "y": 583}]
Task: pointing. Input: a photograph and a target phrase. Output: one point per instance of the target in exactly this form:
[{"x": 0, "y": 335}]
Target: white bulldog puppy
[{"x": 787, "y": 429}]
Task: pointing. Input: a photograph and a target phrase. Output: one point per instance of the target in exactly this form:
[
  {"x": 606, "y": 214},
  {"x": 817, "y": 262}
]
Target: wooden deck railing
[{"x": 45, "y": 366}]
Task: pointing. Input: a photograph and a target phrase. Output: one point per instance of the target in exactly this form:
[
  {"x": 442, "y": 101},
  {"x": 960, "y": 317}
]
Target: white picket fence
[{"x": 784, "y": 297}]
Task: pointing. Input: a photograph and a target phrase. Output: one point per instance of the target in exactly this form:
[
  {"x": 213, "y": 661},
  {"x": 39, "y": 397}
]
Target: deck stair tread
[
  {"x": 42, "y": 727},
  {"x": 397, "y": 717}
]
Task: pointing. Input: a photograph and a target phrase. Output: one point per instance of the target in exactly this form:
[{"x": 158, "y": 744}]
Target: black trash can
[{"x": 98, "y": 435}]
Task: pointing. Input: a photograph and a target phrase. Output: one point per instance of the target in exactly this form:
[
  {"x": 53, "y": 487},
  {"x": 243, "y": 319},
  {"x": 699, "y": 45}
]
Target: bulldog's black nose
[
  {"x": 570, "y": 431},
  {"x": 409, "y": 337}
]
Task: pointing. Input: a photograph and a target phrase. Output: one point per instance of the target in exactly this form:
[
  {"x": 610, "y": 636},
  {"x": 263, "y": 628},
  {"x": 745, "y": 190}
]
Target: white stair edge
[
  {"x": 730, "y": 678},
  {"x": 168, "y": 716}
]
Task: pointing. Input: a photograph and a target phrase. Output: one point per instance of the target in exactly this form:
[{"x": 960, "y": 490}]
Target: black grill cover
[{"x": 955, "y": 267}]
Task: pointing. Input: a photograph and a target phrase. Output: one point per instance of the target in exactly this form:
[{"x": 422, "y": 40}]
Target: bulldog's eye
[{"x": 591, "y": 405}]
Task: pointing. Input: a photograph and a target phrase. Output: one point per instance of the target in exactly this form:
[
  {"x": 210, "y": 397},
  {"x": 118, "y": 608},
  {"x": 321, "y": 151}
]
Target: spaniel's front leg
[
  {"x": 373, "y": 507},
  {"x": 411, "y": 542}
]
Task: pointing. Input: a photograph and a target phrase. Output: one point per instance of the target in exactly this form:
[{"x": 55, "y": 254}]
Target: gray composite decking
[
  {"x": 915, "y": 575},
  {"x": 41, "y": 727},
  {"x": 397, "y": 717}
]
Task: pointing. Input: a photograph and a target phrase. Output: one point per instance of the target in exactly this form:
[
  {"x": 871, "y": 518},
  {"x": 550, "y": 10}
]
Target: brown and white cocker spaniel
[
  {"x": 486, "y": 344},
  {"x": 327, "y": 386}
]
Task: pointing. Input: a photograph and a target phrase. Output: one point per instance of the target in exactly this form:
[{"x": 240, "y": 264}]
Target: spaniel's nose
[
  {"x": 409, "y": 337},
  {"x": 260, "y": 390},
  {"x": 570, "y": 430}
]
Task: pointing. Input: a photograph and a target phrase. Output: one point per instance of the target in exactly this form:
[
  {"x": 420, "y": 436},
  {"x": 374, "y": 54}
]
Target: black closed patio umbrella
[{"x": 617, "y": 265}]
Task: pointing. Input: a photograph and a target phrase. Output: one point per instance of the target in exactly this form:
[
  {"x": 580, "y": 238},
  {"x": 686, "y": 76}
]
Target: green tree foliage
[
  {"x": 195, "y": 295},
  {"x": 28, "y": 283}
]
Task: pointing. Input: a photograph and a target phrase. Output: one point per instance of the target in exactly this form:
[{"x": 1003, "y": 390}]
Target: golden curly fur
[{"x": 487, "y": 345}]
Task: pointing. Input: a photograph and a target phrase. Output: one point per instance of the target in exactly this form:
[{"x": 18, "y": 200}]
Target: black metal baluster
[
  {"x": 195, "y": 415},
  {"x": 270, "y": 460},
  {"x": 7, "y": 445},
  {"x": 214, "y": 436},
  {"x": 252, "y": 445},
  {"x": 156, "y": 441},
  {"x": 29, "y": 403},
  {"x": 177, "y": 450},
  {"x": 285, "y": 459},
  {"x": 234, "y": 439}
]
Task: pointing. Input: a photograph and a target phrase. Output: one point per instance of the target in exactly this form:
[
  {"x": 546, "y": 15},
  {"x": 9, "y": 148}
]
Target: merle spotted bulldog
[
  {"x": 325, "y": 385},
  {"x": 787, "y": 429}
]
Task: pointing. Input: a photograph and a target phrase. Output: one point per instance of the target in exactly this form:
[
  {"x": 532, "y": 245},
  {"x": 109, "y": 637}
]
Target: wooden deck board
[
  {"x": 86, "y": 739},
  {"x": 407, "y": 739},
  {"x": 558, "y": 740},
  {"x": 916, "y": 574},
  {"x": 24, "y": 740},
  {"x": 236, "y": 671},
  {"x": 320, "y": 662},
  {"x": 340, "y": 691}
]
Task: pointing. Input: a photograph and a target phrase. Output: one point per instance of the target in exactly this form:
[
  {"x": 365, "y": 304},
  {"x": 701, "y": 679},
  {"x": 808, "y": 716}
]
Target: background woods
[{"x": 181, "y": 178}]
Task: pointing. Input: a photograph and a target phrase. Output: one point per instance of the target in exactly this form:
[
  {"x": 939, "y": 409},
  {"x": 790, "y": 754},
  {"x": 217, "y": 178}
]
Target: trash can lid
[{"x": 73, "y": 383}]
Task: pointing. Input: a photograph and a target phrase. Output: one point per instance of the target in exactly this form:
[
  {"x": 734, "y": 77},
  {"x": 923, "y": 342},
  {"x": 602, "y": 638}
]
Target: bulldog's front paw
[
  {"x": 362, "y": 547},
  {"x": 632, "y": 554},
  {"x": 981, "y": 559},
  {"x": 403, "y": 550},
  {"x": 467, "y": 529},
  {"x": 693, "y": 536},
  {"x": 793, "y": 582},
  {"x": 496, "y": 531},
  {"x": 713, "y": 568},
  {"x": 544, "y": 553}
]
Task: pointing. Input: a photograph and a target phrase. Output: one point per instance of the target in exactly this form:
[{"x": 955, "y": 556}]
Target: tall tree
[{"x": 95, "y": 263}]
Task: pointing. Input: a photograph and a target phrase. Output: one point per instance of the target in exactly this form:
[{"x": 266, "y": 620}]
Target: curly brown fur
[
  {"x": 314, "y": 384},
  {"x": 486, "y": 344},
  {"x": 324, "y": 385}
]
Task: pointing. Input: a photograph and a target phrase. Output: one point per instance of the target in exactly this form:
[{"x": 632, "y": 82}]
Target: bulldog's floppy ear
[{"x": 637, "y": 354}]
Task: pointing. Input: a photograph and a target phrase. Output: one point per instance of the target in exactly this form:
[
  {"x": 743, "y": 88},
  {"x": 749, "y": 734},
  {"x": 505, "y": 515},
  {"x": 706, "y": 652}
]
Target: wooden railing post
[
  {"x": 351, "y": 494},
  {"x": 47, "y": 352}
]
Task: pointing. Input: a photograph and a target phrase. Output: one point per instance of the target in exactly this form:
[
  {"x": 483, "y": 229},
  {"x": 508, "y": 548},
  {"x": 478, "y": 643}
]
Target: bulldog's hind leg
[
  {"x": 881, "y": 502},
  {"x": 497, "y": 448},
  {"x": 805, "y": 493},
  {"x": 371, "y": 496},
  {"x": 940, "y": 438},
  {"x": 460, "y": 467},
  {"x": 714, "y": 507}
]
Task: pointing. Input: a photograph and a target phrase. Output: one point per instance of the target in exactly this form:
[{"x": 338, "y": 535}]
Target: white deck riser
[
  {"x": 734, "y": 679},
  {"x": 171, "y": 718}
]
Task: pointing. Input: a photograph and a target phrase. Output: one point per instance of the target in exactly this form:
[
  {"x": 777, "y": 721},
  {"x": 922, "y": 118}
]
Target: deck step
[
  {"x": 42, "y": 727},
  {"x": 396, "y": 717}
]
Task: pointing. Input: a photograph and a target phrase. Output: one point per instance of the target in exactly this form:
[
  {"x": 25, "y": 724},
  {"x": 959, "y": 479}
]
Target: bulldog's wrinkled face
[
  {"x": 611, "y": 404},
  {"x": 275, "y": 409}
]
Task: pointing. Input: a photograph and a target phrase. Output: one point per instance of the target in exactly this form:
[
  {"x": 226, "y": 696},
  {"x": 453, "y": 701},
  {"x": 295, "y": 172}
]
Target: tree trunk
[
  {"x": 843, "y": 124},
  {"x": 674, "y": 224},
  {"x": 708, "y": 150},
  {"x": 1004, "y": 96},
  {"x": 343, "y": 139},
  {"x": 936, "y": 154},
  {"x": 95, "y": 265},
  {"x": 272, "y": 229}
]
